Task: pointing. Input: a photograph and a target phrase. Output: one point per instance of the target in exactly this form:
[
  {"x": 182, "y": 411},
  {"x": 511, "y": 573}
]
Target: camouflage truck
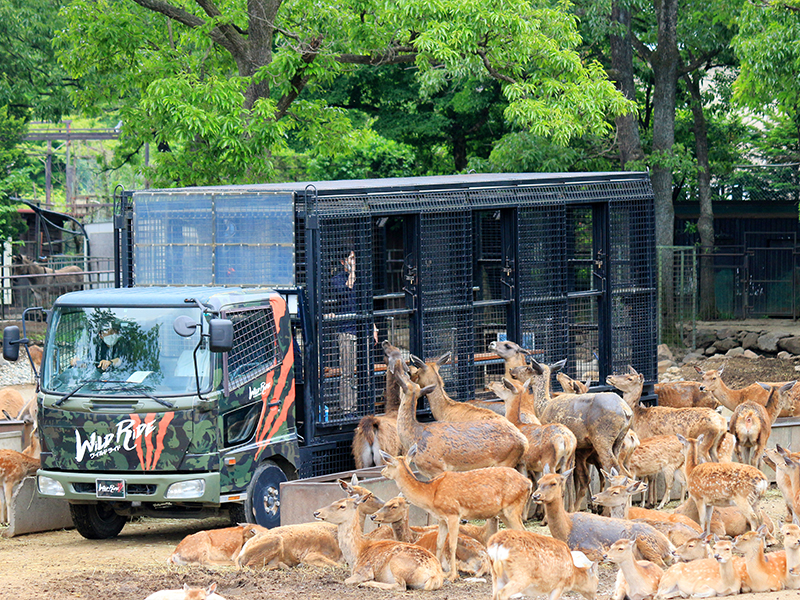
[{"x": 243, "y": 342}]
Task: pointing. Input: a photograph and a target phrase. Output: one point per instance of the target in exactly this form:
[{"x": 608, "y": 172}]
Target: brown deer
[
  {"x": 11, "y": 403},
  {"x": 787, "y": 477},
  {"x": 287, "y": 546},
  {"x": 694, "y": 549},
  {"x": 479, "y": 494},
  {"x": 722, "y": 484},
  {"x": 791, "y": 547},
  {"x": 187, "y": 593},
  {"x": 14, "y": 467},
  {"x": 528, "y": 563},
  {"x": 731, "y": 398},
  {"x": 684, "y": 394},
  {"x": 369, "y": 504},
  {"x": 636, "y": 579},
  {"x": 379, "y": 432},
  {"x": 725, "y": 520},
  {"x": 650, "y": 421},
  {"x": 751, "y": 423},
  {"x": 705, "y": 577},
  {"x": 572, "y": 386},
  {"x": 470, "y": 553},
  {"x": 661, "y": 454},
  {"x": 213, "y": 546},
  {"x": 590, "y": 533},
  {"x": 616, "y": 498},
  {"x": 383, "y": 564},
  {"x": 599, "y": 421},
  {"x": 462, "y": 446},
  {"x": 443, "y": 407},
  {"x": 762, "y": 573}
]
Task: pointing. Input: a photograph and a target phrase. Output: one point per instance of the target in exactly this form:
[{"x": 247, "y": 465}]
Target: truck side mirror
[
  {"x": 220, "y": 335},
  {"x": 11, "y": 343}
]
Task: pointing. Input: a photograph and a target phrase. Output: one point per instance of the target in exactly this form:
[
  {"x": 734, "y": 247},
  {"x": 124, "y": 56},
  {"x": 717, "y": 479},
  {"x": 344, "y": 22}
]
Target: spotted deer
[
  {"x": 722, "y": 484},
  {"x": 636, "y": 579},
  {"x": 705, "y": 577},
  {"x": 762, "y": 573},
  {"x": 528, "y": 563},
  {"x": 383, "y": 564},
  {"x": 791, "y": 547},
  {"x": 731, "y": 398},
  {"x": 661, "y": 454},
  {"x": 684, "y": 394},
  {"x": 14, "y": 467},
  {"x": 288, "y": 546}
]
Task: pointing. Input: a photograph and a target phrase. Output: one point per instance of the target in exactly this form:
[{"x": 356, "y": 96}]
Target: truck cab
[{"x": 167, "y": 402}]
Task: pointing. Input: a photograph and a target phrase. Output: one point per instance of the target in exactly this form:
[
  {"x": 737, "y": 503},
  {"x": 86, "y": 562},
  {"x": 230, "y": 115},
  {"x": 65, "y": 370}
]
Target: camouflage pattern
[{"x": 186, "y": 438}]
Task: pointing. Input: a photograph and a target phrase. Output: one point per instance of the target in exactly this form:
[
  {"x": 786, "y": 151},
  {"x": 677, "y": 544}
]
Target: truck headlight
[
  {"x": 49, "y": 486},
  {"x": 194, "y": 488}
]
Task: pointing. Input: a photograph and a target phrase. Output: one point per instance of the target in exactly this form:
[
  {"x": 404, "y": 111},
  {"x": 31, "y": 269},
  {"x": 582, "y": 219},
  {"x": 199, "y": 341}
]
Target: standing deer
[
  {"x": 650, "y": 421},
  {"x": 731, "y": 398},
  {"x": 661, "y": 454},
  {"x": 787, "y": 477},
  {"x": 722, "y": 484},
  {"x": 527, "y": 563},
  {"x": 477, "y": 494},
  {"x": 751, "y": 423},
  {"x": 684, "y": 394},
  {"x": 383, "y": 564},
  {"x": 791, "y": 546},
  {"x": 462, "y": 446}
]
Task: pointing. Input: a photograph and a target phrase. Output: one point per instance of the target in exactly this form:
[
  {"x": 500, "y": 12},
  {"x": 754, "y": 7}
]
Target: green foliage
[
  {"x": 370, "y": 156},
  {"x": 14, "y": 174}
]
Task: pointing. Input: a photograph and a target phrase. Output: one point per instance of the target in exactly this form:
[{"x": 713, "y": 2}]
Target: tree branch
[
  {"x": 391, "y": 57},
  {"x": 492, "y": 71},
  {"x": 299, "y": 79},
  {"x": 697, "y": 62},
  {"x": 642, "y": 50}
]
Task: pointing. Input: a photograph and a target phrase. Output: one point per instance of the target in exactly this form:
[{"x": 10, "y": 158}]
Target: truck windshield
[{"x": 123, "y": 351}]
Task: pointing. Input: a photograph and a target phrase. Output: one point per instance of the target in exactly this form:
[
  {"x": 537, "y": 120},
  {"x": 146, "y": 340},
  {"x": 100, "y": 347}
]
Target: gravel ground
[{"x": 16, "y": 373}]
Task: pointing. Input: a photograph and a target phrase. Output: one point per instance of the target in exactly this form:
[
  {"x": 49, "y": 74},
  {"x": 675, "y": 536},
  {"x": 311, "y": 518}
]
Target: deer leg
[
  {"x": 750, "y": 512},
  {"x": 669, "y": 478},
  {"x": 453, "y": 525},
  {"x": 555, "y": 594},
  {"x": 745, "y": 455},
  {"x": 704, "y": 514},
  {"x": 440, "y": 539},
  {"x": 710, "y": 446}
]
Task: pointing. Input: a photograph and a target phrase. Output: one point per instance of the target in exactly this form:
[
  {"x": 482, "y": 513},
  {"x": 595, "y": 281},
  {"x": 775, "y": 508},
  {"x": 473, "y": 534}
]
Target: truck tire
[
  {"x": 263, "y": 504},
  {"x": 96, "y": 521}
]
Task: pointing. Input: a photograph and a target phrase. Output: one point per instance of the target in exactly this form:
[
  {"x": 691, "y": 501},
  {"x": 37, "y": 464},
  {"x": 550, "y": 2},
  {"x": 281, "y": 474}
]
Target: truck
[{"x": 242, "y": 344}]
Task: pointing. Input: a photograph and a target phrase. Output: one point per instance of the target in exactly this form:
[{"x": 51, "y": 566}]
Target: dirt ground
[{"x": 63, "y": 565}]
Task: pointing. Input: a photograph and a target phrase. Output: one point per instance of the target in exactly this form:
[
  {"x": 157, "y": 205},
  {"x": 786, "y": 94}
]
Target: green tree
[
  {"x": 221, "y": 86},
  {"x": 14, "y": 173}
]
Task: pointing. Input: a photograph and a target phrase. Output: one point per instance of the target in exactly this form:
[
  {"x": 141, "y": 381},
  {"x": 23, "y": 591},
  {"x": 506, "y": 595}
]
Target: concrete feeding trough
[{"x": 300, "y": 498}]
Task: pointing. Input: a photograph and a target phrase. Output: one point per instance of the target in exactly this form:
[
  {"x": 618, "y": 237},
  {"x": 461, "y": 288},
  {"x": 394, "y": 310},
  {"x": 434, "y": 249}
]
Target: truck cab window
[{"x": 254, "y": 345}]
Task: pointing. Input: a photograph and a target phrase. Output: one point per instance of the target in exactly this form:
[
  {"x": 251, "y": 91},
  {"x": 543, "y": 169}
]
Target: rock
[
  {"x": 769, "y": 341},
  {"x": 726, "y": 344},
  {"x": 750, "y": 354},
  {"x": 692, "y": 356},
  {"x": 711, "y": 350},
  {"x": 663, "y": 365},
  {"x": 784, "y": 355},
  {"x": 705, "y": 338},
  {"x": 750, "y": 340},
  {"x": 664, "y": 353},
  {"x": 726, "y": 332},
  {"x": 790, "y": 344},
  {"x": 738, "y": 351}
]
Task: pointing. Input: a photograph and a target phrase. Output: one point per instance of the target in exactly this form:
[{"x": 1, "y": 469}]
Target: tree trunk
[
  {"x": 630, "y": 145},
  {"x": 705, "y": 224}
]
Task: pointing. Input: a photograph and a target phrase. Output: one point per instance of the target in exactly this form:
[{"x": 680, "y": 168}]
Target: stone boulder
[
  {"x": 769, "y": 342},
  {"x": 790, "y": 344},
  {"x": 750, "y": 340}
]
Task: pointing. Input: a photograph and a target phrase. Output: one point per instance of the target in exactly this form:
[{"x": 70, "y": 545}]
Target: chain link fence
[{"x": 677, "y": 298}]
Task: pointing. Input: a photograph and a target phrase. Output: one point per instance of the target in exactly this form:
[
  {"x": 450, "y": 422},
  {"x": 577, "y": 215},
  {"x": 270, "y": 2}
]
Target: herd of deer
[{"x": 481, "y": 460}]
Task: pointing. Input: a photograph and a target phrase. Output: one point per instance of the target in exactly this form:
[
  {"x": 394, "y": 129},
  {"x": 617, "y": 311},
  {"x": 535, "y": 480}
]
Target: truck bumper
[{"x": 130, "y": 487}]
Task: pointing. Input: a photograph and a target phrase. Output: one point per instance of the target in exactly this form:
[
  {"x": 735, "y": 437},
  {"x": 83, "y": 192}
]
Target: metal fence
[{"x": 677, "y": 302}]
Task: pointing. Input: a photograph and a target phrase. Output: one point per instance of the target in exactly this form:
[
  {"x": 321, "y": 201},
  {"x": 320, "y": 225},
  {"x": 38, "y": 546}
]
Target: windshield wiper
[
  {"x": 69, "y": 394},
  {"x": 140, "y": 388}
]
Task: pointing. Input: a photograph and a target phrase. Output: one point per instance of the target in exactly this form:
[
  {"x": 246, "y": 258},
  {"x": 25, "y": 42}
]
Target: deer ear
[
  {"x": 416, "y": 361},
  {"x": 699, "y": 370},
  {"x": 555, "y": 367},
  {"x": 682, "y": 439},
  {"x": 445, "y": 358},
  {"x": 387, "y": 458},
  {"x": 212, "y": 588},
  {"x": 721, "y": 369},
  {"x": 761, "y": 531},
  {"x": 763, "y": 385},
  {"x": 787, "y": 386},
  {"x": 412, "y": 452},
  {"x": 427, "y": 389},
  {"x": 566, "y": 474},
  {"x": 509, "y": 385},
  {"x": 354, "y": 479},
  {"x": 343, "y": 484},
  {"x": 186, "y": 587}
]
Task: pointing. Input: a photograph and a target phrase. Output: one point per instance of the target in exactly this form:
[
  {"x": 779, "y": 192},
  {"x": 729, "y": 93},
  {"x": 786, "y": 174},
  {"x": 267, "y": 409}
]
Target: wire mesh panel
[
  {"x": 254, "y": 347},
  {"x": 677, "y": 282}
]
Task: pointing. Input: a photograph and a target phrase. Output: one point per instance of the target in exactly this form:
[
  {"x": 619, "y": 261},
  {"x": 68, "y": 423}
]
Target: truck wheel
[
  {"x": 263, "y": 504},
  {"x": 96, "y": 521}
]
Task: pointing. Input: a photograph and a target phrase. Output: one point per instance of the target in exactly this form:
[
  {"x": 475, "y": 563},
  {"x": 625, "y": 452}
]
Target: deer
[
  {"x": 657, "y": 420},
  {"x": 443, "y": 407},
  {"x": 787, "y": 477},
  {"x": 722, "y": 484},
  {"x": 187, "y": 593},
  {"x": 382, "y": 564},
  {"x": 478, "y": 494},
  {"x": 751, "y": 423},
  {"x": 590, "y": 533},
  {"x": 661, "y": 454},
  {"x": 11, "y": 403},
  {"x": 684, "y": 394},
  {"x": 572, "y": 386},
  {"x": 446, "y": 446},
  {"x": 705, "y": 577},
  {"x": 791, "y": 548},
  {"x": 694, "y": 549},
  {"x": 636, "y": 579},
  {"x": 725, "y": 520},
  {"x": 213, "y": 546},
  {"x": 762, "y": 573},
  {"x": 14, "y": 468},
  {"x": 370, "y": 502},
  {"x": 528, "y": 563},
  {"x": 470, "y": 553},
  {"x": 599, "y": 421},
  {"x": 46, "y": 281},
  {"x": 731, "y": 398},
  {"x": 284, "y": 547},
  {"x": 379, "y": 432}
]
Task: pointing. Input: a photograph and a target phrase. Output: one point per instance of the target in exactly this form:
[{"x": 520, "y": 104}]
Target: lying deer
[
  {"x": 751, "y": 423},
  {"x": 288, "y": 546},
  {"x": 694, "y": 549},
  {"x": 477, "y": 494},
  {"x": 721, "y": 484},
  {"x": 791, "y": 547},
  {"x": 383, "y": 564},
  {"x": 470, "y": 553},
  {"x": 213, "y": 546},
  {"x": 14, "y": 467},
  {"x": 787, "y": 477},
  {"x": 684, "y": 394},
  {"x": 527, "y": 563},
  {"x": 636, "y": 579},
  {"x": 592, "y": 533},
  {"x": 731, "y": 398},
  {"x": 187, "y": 593},
  {"x": 379, "y": 432},
  {"x": 651, "y": 421},
  {"x": 445, "y": 446},
  {"x": 370, "y": 502},
  {"x": 705, "y": 577},
  {"x": 762, "y": 573},
  {"x": 726, "y": 520}
]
